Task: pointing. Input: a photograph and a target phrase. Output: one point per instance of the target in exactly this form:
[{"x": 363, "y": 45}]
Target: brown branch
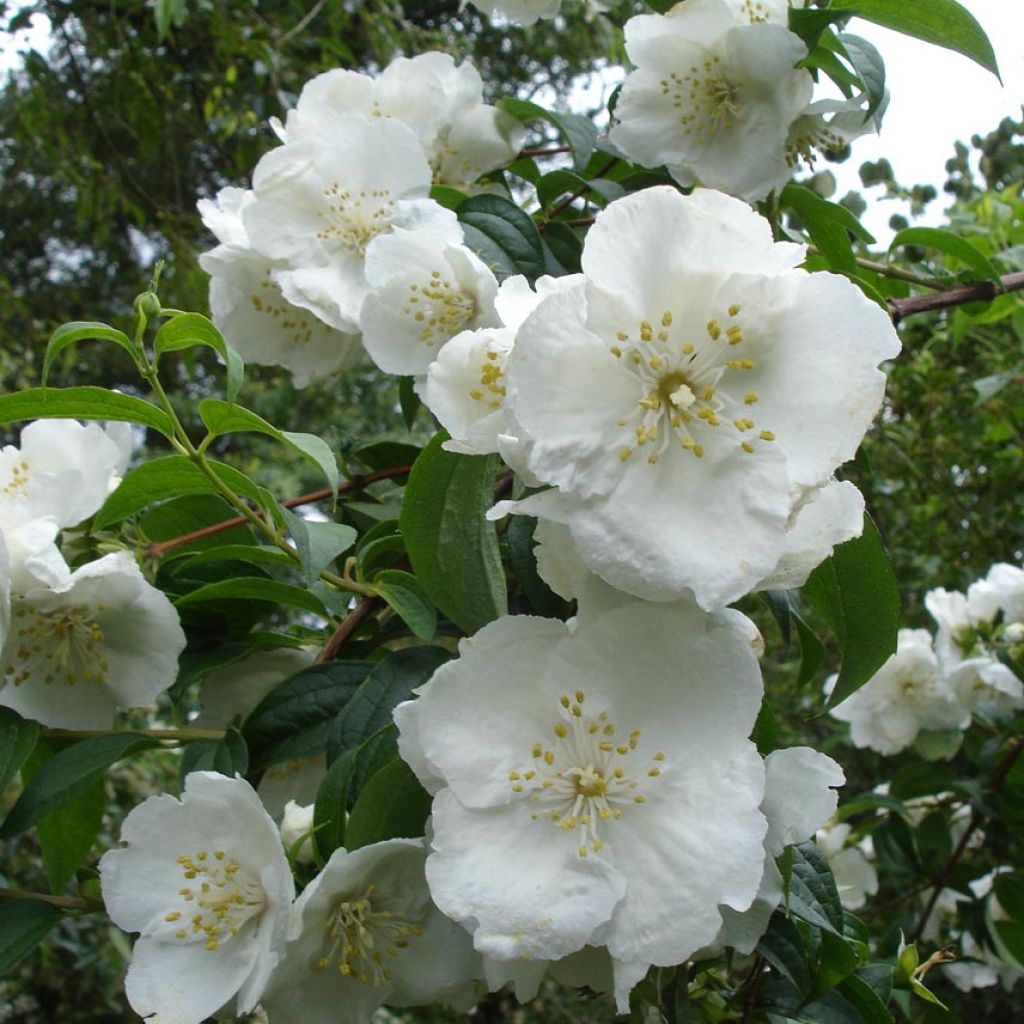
[
  {"x": 569, "y": 200},
  {"x": 998, "y": 778},
  {"x": 346, "y": 628},
  {"x": 979, "y": 291},
  {"x": 64, "y": 902},
  {"x": 550, "y": 151},
  {"x": 157, "y": 549}
]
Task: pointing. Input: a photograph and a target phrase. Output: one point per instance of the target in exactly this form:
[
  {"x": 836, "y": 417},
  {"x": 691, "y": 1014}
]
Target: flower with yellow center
[
  {"x": 593, "y": 783},
  {"x": 99, "y": 639},
  {"x": 206, "y": 883},
  {"x": 713, "y": 95},
  {"x": 689, "y": 394},
  {"x": 365, "y": 932}
]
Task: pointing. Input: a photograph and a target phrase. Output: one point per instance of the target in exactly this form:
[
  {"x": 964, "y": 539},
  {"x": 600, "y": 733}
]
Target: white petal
[{"x": 798, "y": 797}]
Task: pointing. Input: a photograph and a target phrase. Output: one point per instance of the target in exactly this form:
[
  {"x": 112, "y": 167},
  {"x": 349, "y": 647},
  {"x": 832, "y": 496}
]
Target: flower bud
[
  {"x": 147, "y": 304},
  {"x": 1014, "y": 633},
  {"x": 297, "y": 827}
]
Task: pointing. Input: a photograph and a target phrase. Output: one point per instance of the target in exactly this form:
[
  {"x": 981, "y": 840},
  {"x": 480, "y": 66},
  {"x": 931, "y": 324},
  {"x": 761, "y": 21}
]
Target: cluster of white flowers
[
  {"x": 338, "y": 240},
  {"x": 74, "y": 646},
  {"x": 937, "y": 685}
]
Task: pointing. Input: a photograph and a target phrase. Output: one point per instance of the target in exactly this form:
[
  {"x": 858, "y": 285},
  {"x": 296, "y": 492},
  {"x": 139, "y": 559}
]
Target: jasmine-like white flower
[
  {"x": 1007, "y": 585},
  {"x": 689, "y": 394},
  {"x": 100, "y": 639},
  {"x": 318, "y": 203},
  {"x": 206, "y": 883},
  {"x": 908, "y": 694},
  {"x": 364, "y": 932},
  {"x": 855, "y": 876},
  {"x": 62, "y": 469},
  {"x": 826, "y": 126},
  {"x": 425, "y": 289},
  {"x": 590, "y": 789},
  {"x": 441, "y": 101},
  {"x": 713, "y": 96}
]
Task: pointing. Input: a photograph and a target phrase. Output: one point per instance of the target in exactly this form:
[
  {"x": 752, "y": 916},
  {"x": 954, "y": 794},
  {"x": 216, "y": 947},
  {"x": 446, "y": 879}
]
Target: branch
[
  {"x": 181, "y": 735},
  {"x": 346, "y": 628},
  {"x": 159, "y": 548},
  {"x": 550, "y": 151},
  {"x": 64, "y": 902},
  {"x": 980, "y": 291},
  {"x": 569, "y": 200}
]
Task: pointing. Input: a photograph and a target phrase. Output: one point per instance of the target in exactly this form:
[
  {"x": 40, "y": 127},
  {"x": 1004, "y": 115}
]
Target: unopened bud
[
  {"x": 1015, "y": 633},
  {"x": 147, "y": 304},
  {"x": 296, "y": 826}
]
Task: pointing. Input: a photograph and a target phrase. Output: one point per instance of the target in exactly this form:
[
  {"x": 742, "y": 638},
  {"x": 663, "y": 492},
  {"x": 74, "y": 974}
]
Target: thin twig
[
  {"x": 159, "y": 548},
  {"x": 181, "y": 735},
  {"x": 299, "y": 26},
  {"x": 569, "y": 200},
  {"x": 550, "y": 151},
  {"x": 64, "y": 902},
  {"x": 979, "y": 291},
  {"x": 346, "y": 628}
]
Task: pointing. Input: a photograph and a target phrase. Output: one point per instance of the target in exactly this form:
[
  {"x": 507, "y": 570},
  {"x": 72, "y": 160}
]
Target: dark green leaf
[
  {"x": 229, "y": 756},
  {"x": 408, "y": 400},
  {"x": 385, "y": 454},
  {"x": 68, "y": 774},
  {"x": 453, "y": 549},
  {"x": 331, "y": 807},
  {"x": 943, "y": 22},
  {"x": 295, "y": 718},
  {"x": 543, "y": 600},
  {"x": 562, "y": 244},
  {"x": 813, "y": 896},
  {"x": 403, "y": 592},
  {"x": 255, "y": 588},
  {"x": 836, "y": 961},
  {"x": 67, "y": 834},
  {"x": 1009, "y": 890},
  {"x": 502, "y": 235},
  {"x": 181, "y": 516},
  {"x": 85, "y": 403},
  {"x": 80, "y": 330},
  {"x": 783, "y": 947},
  {"x": 578, "y": 131},
  {"x": 17, "y": 740},
  {"x": 318, "y": 544},
  {"x": 23, "y": 925},
  {"x": 392, "y": 805}
]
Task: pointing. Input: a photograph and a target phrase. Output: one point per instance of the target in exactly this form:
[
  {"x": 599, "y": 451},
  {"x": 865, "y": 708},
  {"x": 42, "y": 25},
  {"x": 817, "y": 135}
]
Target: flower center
[
  {"x": 808, "y": 135},
  {"x": 295, "y": 323},
  {"x": 221, "y": 899},
  {"x": 18, "y": 482},
  {"x": 64, "y": 644},
  {"x": 359, "y": 940},
  {"x": 585, "y": 778},
  {"x": 687, "y": 388},
  {"x": 708, "y": 101},
  {"x": 492, "y": 373},
  {"x": 440, "y": 307},
  {"x": 353, "y": 220}
]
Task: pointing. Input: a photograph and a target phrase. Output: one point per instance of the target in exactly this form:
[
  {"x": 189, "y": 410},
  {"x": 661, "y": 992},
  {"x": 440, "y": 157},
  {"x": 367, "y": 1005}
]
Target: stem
[
  {"x": 182, "y": 735},
  {"x": 159, "y": 548},
  {"x": 64, "y": 902},
  {"x": 550, "y": 151},
  {"x": 979, "y": 291},
  {"x": 569, "y": 200},
  {"x": 346, "y": 628}
]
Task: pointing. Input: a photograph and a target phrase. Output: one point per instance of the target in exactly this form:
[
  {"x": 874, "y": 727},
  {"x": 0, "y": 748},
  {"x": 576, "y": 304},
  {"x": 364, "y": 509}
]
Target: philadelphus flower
[
  {"x": 590, "y": 790},
  {"x": 856, "y": 878},
  {"x": 713, "y": 96},
  {"x": 906, "y": 695},
  {"x": 206, "y": 883},
  {"x": 364, "y": 932},
  {"x": 319, "y": 202},
  {"x": 83, "y": 647},
  {"x": 250, "y": 310},
  {"x": 441, "y": 102},
  {"x": 425, "y": 290},
  {"x": 689, "y": 394}
]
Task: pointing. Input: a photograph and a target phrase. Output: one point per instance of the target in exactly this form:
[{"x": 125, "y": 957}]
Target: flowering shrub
[{"x": 489, "y": 708}]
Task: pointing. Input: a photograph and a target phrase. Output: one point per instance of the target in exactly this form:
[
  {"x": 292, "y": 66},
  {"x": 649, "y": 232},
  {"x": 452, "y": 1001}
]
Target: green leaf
[
  {"x": 255, "y": 588},
  {"x": 409, "y": 401},
  {"x": 563, "y": 245},
  {"x": 452, "y": 547},
  {"x": 836, "y": 961},
  {"x": 867, "y": 62},
  {"x": 385, "y": 454},
  {"x": 952, "y": 245},
  {"x": 68, "y": 774},
  {"x": 857, "y": 590},
  {"x": 318, "y": 544},
  {"x": 229, "y": 756},
  {"x": 504, "y": 237},
  {"x": 1009, "y": 890},
  {"x": 579, "y": 132},
  {"x": 169, "y": 477},
  {"x": 181, "y": 516},
  {"x": 523, "y": 560},
  {"x": 83, "y": 330},
  {"x": 783, "y": 947},
  {"x": 23, "y": 925},
  {"x": 938, "y": 745},
  {"x": 404, "y": 593},
  {"x": 390, "y": 682},
  {"x": 255, "y": 554},
  {"x": 559, "y": 182},
  {"x": 828, "y": 224},
  {"x": 813, "y": 896},
  {"x": 295, "y": 719},
  {"x": 331, "y": 807},
  {"x": 66, "y": 835},
  {"x": 446, "y": 196},
  {"x": 17, "y": 740},
  {"x": 392, "y": 805},
  {"x": 85, "y": 403},
  {"x": 187, "y": 330},
  {"x": 224, "y": 418},
  {"x": 943, "y": 22}
]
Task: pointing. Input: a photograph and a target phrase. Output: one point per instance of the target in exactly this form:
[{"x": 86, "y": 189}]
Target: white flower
[
  {"x": 712, "y": 98},
  {"x": 1007, "y": 583},
  {"x": 100, "y": 640},
  {"x": 519, "y": 12},
  {"x": 594, "y": 783},
  {"x": 441, "y": 102},
  {"x": 5, "y": 592},
  {"x": 906, "y": 695},
  {"x": 318, "y": 203},
  {"x": 63, "y": 469},
  {"x": 206, "y": 883},
  {"x": 985, "y": 683},
  {"x": 364, "y": 932},
  {"x": 425, "y": 289},
  {"x": 296, "y": 826},
  {"x": 855, "y": 876},
  {"x": 826, "y": 126},
  {"x": 687, "y": 394}
]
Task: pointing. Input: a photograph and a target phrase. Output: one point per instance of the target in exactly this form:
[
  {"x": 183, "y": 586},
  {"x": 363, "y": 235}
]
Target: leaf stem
[
  {"x": 64, "y": 902},
  {"x": 181, "y": 735}
]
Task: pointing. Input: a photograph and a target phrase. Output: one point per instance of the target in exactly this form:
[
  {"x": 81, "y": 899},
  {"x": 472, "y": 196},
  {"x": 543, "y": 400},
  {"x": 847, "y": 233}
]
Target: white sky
[{"x": 937, "y": 97}]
